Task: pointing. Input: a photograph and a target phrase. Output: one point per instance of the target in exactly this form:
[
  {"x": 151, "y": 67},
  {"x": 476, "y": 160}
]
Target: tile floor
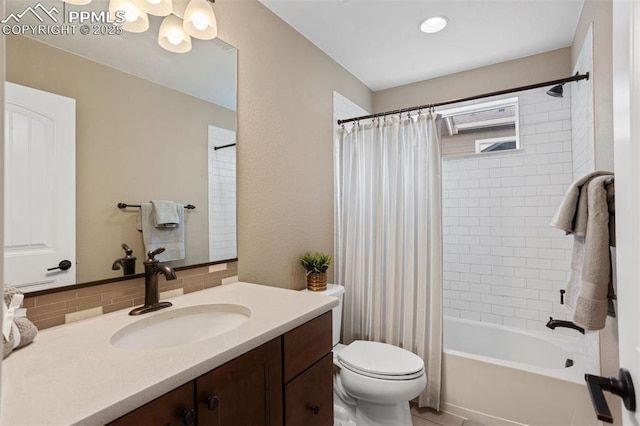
[{"x": 429, "y": 417}]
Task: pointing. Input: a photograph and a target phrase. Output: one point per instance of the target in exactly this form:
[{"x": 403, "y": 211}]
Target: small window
[{"x": 481, "y": 128}]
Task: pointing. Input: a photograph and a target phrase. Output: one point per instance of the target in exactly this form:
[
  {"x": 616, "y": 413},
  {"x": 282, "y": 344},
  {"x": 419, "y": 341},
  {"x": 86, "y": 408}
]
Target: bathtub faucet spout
[{"x": 553, "y": 323}]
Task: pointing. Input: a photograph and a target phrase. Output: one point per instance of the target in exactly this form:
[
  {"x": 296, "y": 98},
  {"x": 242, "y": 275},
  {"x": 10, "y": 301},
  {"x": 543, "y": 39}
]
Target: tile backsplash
[{"x": 49, "y": 310}]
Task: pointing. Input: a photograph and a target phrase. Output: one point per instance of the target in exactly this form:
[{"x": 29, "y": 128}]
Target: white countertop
[{"x": 71, "y": 374}]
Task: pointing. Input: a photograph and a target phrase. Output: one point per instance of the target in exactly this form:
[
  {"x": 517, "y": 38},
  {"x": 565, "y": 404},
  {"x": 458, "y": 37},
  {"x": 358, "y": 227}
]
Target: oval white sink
[{"x": 180, "y": 326}]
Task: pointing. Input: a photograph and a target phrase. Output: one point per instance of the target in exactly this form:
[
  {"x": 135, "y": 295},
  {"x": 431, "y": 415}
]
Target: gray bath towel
[
  {"x": 165, "y": 214},
  {"x": 571, "y": 217},
  {"x": 589, "y": 289}
]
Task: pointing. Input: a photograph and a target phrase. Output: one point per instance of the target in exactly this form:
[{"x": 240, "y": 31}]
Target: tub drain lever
[{"x": 621, "y": 386}]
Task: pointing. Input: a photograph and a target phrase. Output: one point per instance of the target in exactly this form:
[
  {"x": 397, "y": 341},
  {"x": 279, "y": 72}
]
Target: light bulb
[
  {"x": 174, "y": 36},
  {"x": 131, "y": 12},
  {"x": 154, "y": 1},
  {"x": 200, "y": 21},
  {"x": 433, "y": 24}
]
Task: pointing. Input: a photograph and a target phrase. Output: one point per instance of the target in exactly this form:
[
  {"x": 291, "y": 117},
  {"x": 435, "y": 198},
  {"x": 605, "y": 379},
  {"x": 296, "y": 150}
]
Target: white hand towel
[
  {"x": 165, "y": 214},
  {"x": 172, "y": 239}
]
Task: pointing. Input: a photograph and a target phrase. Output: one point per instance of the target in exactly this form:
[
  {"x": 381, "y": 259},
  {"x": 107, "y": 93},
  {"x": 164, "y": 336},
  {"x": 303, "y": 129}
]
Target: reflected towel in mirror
[
  {"x": 165, "y": 214},
  {"x": 172, "y": 239}
]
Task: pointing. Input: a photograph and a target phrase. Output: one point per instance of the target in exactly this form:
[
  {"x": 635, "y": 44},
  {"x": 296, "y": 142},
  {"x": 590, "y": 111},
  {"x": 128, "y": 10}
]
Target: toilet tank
[{"x": 334, "y": 290}]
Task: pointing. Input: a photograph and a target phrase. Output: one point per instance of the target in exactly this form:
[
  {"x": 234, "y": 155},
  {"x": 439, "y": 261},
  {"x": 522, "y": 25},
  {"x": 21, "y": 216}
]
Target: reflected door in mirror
[{"x": 39, "y": 204}]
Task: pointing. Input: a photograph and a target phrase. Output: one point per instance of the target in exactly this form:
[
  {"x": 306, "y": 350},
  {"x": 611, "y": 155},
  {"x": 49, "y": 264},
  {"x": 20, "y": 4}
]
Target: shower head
[{"x": 556, "y": 91}]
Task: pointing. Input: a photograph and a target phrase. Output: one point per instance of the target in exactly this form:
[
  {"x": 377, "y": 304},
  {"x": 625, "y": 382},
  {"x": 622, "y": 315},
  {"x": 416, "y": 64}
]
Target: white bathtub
[{"x": 504, "y": 376}]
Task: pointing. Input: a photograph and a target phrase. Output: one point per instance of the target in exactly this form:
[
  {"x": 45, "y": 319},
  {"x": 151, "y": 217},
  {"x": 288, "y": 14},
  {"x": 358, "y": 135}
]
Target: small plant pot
[{"x": 317, "y": 281}]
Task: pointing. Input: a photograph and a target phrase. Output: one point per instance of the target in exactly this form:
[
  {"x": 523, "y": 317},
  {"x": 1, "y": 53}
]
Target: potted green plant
[{"x": 316, "y": 265}]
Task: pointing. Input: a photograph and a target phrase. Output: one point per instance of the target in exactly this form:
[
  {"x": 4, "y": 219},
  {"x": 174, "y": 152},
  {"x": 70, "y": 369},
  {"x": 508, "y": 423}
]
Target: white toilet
[{"x": 375, "y": 381}]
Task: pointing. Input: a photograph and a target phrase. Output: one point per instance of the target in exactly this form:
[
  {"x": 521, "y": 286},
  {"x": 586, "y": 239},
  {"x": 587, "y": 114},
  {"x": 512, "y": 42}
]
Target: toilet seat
[{"x": 381, "y": 361}]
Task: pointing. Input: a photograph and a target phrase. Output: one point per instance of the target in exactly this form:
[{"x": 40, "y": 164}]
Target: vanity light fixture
[
  {"x": 433, "y": 24},
  {"x": 172, "y": 36},
  {"x": 136, "y": 19},
  {"x": 183, "y": 19}
]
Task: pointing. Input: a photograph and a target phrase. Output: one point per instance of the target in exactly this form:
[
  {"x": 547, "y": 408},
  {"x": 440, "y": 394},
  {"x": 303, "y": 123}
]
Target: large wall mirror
[{"x": 148, "y": 125}]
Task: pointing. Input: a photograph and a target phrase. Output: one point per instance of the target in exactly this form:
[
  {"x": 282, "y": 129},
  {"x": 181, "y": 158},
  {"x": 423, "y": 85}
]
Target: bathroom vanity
[{"x": 274, "y": 368}]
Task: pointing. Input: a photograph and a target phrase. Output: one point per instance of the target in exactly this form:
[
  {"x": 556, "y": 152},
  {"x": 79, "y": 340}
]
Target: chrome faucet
[{"x": 152, "y": 269}]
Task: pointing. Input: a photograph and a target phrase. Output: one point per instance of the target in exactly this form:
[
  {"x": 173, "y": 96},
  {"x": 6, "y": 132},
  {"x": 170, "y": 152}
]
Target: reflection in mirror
[
  {"x": 481, "y": 128},
  {"x": 147, "y": 123}
]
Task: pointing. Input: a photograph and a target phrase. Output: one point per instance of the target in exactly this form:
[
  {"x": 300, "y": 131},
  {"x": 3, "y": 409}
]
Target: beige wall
[
  {"x": 285, "y": 142},
  {"x": 135, "y": 141},
  {"x": 600, "y": 13},
  {"x": 519, "y": 72}
]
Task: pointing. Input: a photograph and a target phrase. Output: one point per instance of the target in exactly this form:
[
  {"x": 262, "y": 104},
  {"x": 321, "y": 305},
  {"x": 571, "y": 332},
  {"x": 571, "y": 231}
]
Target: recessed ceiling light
[{"x": 433, "y": 24}]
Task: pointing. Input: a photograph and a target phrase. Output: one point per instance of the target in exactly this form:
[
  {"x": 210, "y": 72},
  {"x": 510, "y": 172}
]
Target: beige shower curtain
[{"x": 389, "y": 238}]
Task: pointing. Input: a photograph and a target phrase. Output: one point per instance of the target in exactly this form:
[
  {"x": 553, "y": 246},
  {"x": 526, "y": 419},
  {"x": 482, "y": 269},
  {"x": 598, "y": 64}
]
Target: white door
[
  {"x": 39, "y": 204},
  {"x": 626, "y": 112}
]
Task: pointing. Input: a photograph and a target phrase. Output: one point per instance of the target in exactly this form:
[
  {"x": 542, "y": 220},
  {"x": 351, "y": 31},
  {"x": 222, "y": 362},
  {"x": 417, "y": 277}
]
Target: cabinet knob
[
  {"x": 213, "y": 402},
  {"x": 188, "y": 417},
  {"x": 314, "y": 409}
]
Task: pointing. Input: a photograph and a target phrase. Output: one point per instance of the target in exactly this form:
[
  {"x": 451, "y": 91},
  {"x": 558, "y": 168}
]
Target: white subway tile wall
[
  {"x": 503, "y": 263},
  {"x": 222, "y": 195},
  {"x": 582, "y": 113}
]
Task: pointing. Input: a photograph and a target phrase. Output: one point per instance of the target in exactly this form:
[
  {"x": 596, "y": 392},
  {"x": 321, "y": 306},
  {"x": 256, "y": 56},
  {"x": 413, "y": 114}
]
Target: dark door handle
[
  {"x": 63, "y": 266},
  {"x": 621, "y": 386}
]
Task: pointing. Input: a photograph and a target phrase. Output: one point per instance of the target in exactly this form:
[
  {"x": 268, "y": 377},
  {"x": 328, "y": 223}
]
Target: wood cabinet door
[
  {"x": 306, "y": 344},
  {"x": 245, "y": 391},
  {"x": 309, "y": 397},
  {"x": 174, "y": 408}
]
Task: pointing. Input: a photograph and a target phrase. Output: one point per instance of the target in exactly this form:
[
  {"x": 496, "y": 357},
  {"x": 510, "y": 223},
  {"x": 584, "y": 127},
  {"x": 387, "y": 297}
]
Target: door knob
[
  {"x": 621, "y": 386},
  {"x": 63, "y": 266}
]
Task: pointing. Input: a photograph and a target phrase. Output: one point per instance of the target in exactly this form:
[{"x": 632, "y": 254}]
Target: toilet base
[
  {"x": 370, "y": 413},
  {"x": 376, "y": 414}
]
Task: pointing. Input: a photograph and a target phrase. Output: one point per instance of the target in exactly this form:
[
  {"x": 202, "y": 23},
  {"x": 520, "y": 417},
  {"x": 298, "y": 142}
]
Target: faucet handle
[
  {"x": 153, "y": 254},
  {"x": 127, "y": 249}
]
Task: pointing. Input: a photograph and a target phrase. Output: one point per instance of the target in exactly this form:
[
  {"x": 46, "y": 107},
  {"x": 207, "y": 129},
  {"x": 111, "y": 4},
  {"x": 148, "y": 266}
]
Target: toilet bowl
[{"x": 373, "y": 381}]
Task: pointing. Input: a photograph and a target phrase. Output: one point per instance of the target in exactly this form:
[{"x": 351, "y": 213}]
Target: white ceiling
[{"x": 379, "y": 42}]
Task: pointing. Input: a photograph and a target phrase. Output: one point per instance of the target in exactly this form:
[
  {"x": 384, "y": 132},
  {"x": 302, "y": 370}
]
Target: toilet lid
[{"x": 381, "y": 360}]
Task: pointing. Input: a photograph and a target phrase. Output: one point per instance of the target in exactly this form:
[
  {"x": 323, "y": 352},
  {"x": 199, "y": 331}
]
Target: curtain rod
[{"x": 576, "y": 77}]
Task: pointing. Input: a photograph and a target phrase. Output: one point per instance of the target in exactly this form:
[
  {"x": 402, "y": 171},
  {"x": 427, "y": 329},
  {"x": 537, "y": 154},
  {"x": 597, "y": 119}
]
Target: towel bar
[{"x": 125, "y": 205}]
